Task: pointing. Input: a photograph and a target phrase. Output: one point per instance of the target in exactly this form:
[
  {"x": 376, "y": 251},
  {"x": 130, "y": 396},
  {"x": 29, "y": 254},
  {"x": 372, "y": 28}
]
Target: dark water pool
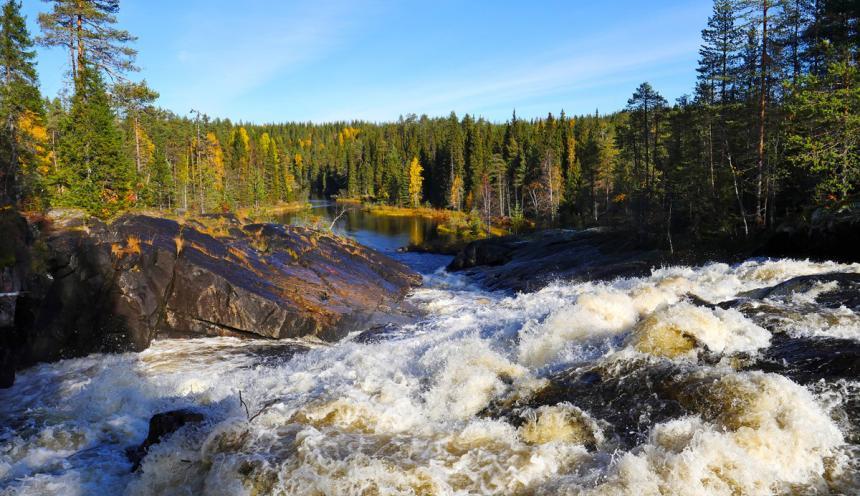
[{"x": 387, "y": 234}]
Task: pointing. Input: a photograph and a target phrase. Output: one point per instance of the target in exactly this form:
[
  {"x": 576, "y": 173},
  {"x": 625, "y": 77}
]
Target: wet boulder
[
  {"x": 629, "y": 396},
  {"x": 161, "y": 425},
  {"x": 797, "y": 351},
  {"x": 769, "y": 306},
  {"x": 810, "y": 359},
  {"x": 844, "y": 289}
]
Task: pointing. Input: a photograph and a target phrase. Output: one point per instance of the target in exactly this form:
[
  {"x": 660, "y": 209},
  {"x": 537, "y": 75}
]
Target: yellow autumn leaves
[
  {"x": 33, "y": 137},
  {"x": 416, "y": 181}
]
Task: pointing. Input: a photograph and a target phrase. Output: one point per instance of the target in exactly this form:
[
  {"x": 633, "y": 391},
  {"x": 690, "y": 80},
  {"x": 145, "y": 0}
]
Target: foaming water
[{"x": 420, "y": 409}]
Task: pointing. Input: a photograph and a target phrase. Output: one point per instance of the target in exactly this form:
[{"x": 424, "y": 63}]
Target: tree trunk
[
  {"x": 762, "y": 104},
  {"x": 738, "y": 193},
  {"x": 501, "y": 197},
  {"x": 137, "y": 144},
  {"x": 646, "y": 129},
  {"x": 711, "y": 157},
  {"x": 669, "y": 228},
  {"x": 9, "y": 179},
  {"x": 79, "y": 31},
  {"x": 654, "y": 154}
]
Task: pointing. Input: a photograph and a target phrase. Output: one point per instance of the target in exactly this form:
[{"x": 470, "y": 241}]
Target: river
[
  {"x": 451, "y": 403},
  {"x": 385, "y": 233}
]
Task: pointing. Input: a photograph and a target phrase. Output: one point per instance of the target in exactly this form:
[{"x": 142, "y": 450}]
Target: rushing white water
[{"x": 405, "y": 412}]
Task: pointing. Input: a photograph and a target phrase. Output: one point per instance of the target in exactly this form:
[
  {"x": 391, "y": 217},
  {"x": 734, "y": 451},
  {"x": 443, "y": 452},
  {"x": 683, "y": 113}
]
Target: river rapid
[{"x": 466, "y": 400}]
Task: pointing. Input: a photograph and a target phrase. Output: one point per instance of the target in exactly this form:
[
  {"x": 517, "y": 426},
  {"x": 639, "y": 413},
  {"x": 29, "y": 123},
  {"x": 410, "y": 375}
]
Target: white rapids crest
[{"x": 402, "y": 414}]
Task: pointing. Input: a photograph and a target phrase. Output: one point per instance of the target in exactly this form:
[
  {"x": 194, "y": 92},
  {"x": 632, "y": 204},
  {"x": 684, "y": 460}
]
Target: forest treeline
[{"x": 771, "y": 129}]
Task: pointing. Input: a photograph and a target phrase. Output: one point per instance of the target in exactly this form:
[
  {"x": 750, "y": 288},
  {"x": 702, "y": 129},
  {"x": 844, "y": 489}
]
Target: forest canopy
[{"x": 771, "y": 130}]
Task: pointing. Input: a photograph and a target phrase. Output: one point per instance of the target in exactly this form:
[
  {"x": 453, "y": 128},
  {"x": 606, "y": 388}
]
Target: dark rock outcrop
[
  {"x": 826, "y": 236},
  {"x": 771, "y": 307},
  {"x": 804, "y": 359},
  {"x": 116, "y": 287},
  {"x": 628, "y": 397},
  {"x": 846, "y": 291},
  {"x": 528, "y": 263},
  {"x": 161, "y": 425},
  {"x": 15, "y": 240}
]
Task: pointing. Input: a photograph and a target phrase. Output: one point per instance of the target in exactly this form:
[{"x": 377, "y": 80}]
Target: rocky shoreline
[
  {"x": 77, "y": 285},
  {"x": 531, "y": 261},
  {"x": 71, "y": 285}
]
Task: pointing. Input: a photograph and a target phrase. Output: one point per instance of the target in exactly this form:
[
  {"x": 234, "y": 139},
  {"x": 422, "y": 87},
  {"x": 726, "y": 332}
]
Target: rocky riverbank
[
  {"x": 531, "y": 261},
  {"x": 74, "y": 285}
]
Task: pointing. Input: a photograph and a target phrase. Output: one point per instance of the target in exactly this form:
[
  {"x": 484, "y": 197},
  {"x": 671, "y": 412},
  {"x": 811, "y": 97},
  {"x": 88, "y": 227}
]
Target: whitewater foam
[{"x": 410, "y": 413}]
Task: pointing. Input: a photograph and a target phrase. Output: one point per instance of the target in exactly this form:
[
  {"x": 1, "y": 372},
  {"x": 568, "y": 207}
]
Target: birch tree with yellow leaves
[{"x": 416, "y": 182}]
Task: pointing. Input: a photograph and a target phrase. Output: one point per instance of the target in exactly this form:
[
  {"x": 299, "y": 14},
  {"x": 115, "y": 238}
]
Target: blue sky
[{"x": 324, "y": 60}]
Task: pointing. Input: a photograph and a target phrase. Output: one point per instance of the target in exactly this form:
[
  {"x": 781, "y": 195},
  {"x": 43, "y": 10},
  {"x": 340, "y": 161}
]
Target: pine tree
[
  {"x": 85, "y": 29},
  {"x": 645, "y": 105},
  {"x": 270, "y": 168},
  {"x": 825, "y": 130},
  {"x": 21, "y": 109},
  {"x": 720, "y": 43},
  {"x": 133, "y": 99},
  {"x": 761, "y": 15},
  {"x": 393, "y": 164},
  {"x": 241, "y": 173},
  {"x": 570, "y": 165},
  {"x": 90, "y": 153}
]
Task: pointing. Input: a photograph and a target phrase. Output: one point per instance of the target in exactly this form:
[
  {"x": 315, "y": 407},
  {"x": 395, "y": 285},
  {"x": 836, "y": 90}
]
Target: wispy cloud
[
  {"x": 529, "y": 80},
  {"x": 624, "y": 54}
]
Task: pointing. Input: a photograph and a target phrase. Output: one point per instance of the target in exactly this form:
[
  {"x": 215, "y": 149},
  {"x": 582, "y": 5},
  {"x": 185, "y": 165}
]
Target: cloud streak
[{"x": 627, "y": 54}]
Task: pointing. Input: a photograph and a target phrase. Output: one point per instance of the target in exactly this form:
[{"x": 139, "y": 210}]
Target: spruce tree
[
  {"x": 99, "y": 176},
  {"x": 21, "y": 109}
]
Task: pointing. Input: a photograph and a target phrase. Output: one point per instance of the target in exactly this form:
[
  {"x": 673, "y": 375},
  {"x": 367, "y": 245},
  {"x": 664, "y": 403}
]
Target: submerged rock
[
  {"x": 807, "y": 360},
  {"x": 116, "y": 287},
  {"x": 528, "y": 263},
  {"x": 834, "y": 296},
  {"x": 844, "y": 292},
  {"x": 161, "y": 425},
  {"x": 804, "y": 350}
]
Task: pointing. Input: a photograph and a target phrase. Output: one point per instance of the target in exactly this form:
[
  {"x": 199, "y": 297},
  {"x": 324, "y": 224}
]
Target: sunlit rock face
[
  {"x": 665, "y": 384},
  {"x": 118, "y": 286}
]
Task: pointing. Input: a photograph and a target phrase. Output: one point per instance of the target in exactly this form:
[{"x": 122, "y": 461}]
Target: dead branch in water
[
  {"x": 337, "y": 218},
  {"x": 245, "y": 405},
  {"x": 262, "y": 409}
]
